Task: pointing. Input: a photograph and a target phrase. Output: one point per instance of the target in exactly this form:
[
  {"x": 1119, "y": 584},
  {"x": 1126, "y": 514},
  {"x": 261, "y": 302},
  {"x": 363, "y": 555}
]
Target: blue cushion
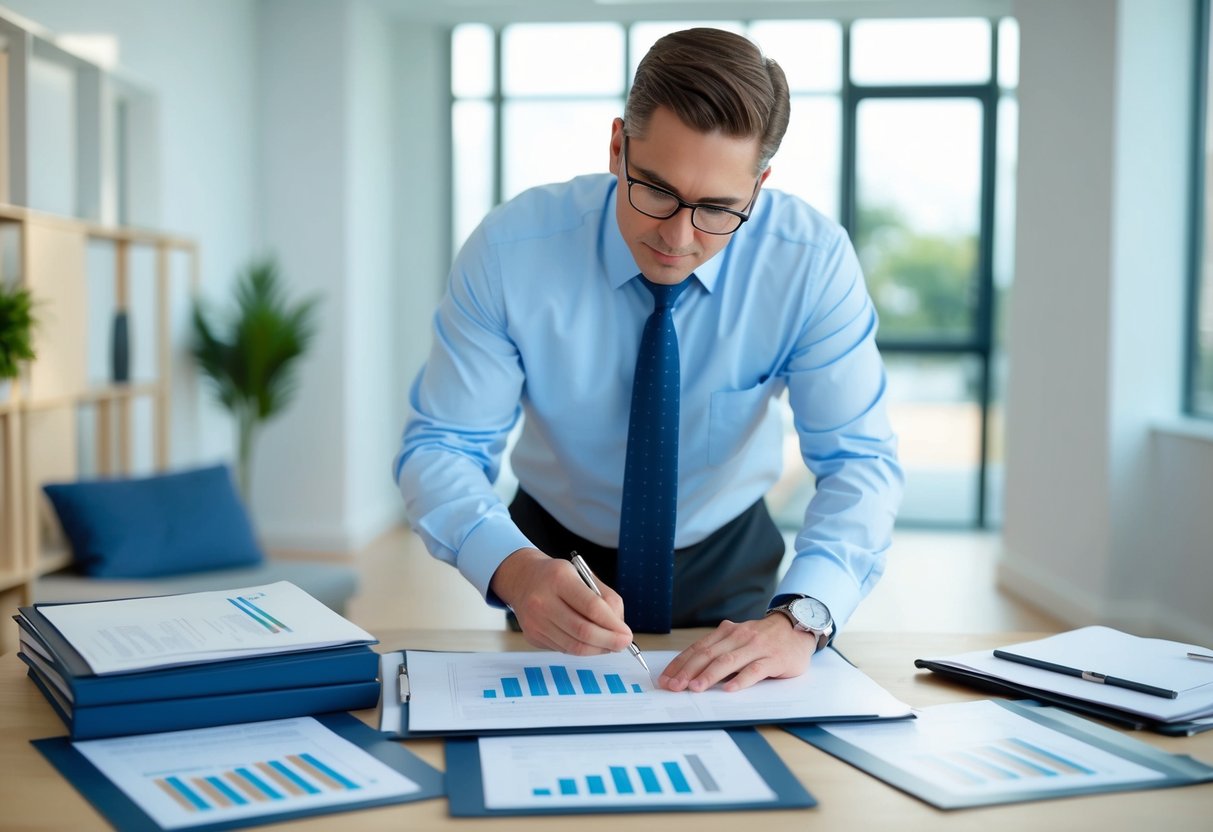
[{"x": 151, "y": 526}]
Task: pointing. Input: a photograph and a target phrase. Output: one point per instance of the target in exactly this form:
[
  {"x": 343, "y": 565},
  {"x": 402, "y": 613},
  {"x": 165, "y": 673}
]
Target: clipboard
[{"x": 864, "y": 700}]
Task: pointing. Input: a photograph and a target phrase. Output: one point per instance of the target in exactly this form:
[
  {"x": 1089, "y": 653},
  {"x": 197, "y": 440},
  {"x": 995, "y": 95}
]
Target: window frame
[{"x": 1200, "y": 196}]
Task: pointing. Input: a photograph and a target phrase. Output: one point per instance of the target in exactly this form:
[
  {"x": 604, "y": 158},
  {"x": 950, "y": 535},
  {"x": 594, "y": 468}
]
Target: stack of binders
[{"x": 196, "y": 682}]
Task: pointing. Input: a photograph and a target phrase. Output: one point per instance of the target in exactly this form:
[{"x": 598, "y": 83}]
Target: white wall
[
  {"x": 326, "y": 91},
  {"x": 1096, "y": 321}
]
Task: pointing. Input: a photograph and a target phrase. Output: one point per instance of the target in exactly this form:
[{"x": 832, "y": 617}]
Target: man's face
[{"x": 698, "y": 168}]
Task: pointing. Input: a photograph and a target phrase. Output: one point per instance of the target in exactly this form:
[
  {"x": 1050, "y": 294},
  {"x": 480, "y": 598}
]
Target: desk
[{"x": 34, "y": 797}]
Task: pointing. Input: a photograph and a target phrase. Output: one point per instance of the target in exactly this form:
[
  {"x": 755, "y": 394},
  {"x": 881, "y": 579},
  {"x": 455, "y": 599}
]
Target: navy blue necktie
[{"x": 650, "y": 475}]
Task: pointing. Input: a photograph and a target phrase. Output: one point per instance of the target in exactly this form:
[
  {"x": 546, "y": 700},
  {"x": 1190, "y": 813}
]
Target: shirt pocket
[{"x": 734, "y": 417}]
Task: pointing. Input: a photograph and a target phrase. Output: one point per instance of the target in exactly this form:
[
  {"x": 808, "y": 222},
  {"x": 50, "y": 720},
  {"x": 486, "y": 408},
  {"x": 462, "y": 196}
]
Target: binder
[
  {"x": 1073, "y": 670},
  {"x": 119, "y": 719},
  {"x": 63, "y": 667}
]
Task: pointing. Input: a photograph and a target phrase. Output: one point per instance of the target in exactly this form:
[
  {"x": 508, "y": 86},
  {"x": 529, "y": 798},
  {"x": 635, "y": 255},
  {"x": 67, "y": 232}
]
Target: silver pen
[{"x": 586, "y": 575}]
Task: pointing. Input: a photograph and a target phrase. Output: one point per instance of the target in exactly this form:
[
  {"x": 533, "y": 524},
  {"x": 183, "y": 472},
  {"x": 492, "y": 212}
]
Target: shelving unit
[
  {"x": 41, "y": 420},
  {"x": 79, "y": 180}
]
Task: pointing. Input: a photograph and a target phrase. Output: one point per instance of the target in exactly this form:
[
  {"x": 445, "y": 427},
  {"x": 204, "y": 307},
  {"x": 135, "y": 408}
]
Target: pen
[
  {"x": 586, "y": 575},
  {"x": 1088, "y": 675},
  {"x": 1201, "y": 656}
]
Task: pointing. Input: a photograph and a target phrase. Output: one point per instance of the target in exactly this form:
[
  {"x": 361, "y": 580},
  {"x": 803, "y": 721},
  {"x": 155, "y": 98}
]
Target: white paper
[
  {"x": 978, "y": 748},
  {"x": 141, "y": 633},
  {"x": 215, "y": 775},
  {"x": 607, "y": 770},
  {"x": 471, "y": 691},
  {"x": 1151, "y": 661},
  {"x": 1191, "y": 704}
]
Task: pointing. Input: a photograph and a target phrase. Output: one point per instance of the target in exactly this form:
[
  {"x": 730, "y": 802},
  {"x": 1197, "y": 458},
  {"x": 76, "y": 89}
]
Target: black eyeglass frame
[{"x": 741, "y": 216}]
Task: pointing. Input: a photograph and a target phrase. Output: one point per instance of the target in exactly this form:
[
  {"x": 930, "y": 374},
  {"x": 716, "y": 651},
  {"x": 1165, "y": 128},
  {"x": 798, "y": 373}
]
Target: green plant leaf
[
  {"x": 251, "y": 355},
  {"x": 17, "y": 323}
]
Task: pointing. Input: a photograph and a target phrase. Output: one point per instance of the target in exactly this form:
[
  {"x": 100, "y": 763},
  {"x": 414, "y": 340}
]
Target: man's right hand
[{"x": 555, "y": 608}]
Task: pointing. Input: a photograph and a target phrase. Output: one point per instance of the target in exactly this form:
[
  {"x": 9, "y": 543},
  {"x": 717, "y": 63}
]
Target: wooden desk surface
[{"x": 34, "y": 797}]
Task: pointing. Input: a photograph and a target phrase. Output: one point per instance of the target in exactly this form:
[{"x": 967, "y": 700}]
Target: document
[
  {"x": 985, "y": 752},
  {"x": 469, "y": 692},
  {"x": 1106, "y": 651},
  {"x": 141, "y": 633},
  {"x": 233, "y": 773},
  {"x": 618, "y": 772},
  {"x": 662, "y": 767}
]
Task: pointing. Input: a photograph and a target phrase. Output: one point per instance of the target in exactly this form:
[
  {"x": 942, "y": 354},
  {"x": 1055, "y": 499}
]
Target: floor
[{"x": 934, "y": 582}]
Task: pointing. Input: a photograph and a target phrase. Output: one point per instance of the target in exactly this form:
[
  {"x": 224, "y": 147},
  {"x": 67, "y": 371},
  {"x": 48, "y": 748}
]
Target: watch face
[{"x": 811, "y": 613}]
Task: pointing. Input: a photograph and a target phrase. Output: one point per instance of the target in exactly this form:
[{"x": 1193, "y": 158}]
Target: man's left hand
[{"x": 749, "y": 652}]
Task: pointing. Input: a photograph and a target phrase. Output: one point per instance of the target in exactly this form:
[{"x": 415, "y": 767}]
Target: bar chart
[
  {"x": 216, "y": 775},
  {"x": 635, "y": 768},
  {"x": 1006, "y": 759},
  {"x": 973, "y": 753},
  {"x": 687, "y": 775},
  {"x": 295, "y": 776},
  {"x": 557, "y": 680}
]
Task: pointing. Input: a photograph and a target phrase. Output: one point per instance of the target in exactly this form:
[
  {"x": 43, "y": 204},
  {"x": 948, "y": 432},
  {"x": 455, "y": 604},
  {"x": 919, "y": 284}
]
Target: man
[{"x": 676, "y": 271}]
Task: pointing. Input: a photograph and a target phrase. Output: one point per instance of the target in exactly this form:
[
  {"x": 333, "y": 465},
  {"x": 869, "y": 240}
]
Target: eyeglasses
[{"x": 660, "y": 204}]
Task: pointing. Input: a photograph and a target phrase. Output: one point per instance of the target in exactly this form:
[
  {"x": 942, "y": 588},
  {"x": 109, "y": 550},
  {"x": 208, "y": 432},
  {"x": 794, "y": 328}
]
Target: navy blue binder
[
  {"x": 119, "y": 719},
  {"x": 64, "y": 666}
]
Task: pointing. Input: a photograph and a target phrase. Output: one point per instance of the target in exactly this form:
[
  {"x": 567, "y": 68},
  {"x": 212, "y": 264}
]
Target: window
[
  {"x": 901, "y": 130},
  {"x": 1200, "y": 376}
]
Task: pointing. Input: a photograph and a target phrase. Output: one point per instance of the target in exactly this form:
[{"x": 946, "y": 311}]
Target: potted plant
[
  {"x": 17, "y": 323},
  {"x": 250, "y": 356}
]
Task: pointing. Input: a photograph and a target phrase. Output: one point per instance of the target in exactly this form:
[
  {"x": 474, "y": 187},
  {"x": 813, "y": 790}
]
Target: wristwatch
[{"x": 809, "y": 616}]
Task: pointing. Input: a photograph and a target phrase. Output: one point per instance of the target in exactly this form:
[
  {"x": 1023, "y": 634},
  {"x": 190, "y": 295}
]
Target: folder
[
  {"x": 1086, "y": 658},
  {"x": 125, "y": 812},
  {"x": 467, "y": 778},
  {"x": 63, "y": 667},
  {"x": 120, "y": 719},
  {"x": 131, "y": 635}
]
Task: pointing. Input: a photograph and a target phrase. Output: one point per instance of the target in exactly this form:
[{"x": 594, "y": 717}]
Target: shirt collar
[{"x": 621, "y": 266}]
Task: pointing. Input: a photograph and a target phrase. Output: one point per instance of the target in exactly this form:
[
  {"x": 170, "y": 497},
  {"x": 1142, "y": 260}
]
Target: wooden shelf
[
  {"x": 41, "y": 421},
  {"x": 96, "y": 395}
]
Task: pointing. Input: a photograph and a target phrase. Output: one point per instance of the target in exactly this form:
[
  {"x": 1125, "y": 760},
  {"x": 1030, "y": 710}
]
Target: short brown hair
[{"x": 712, "y": 80}]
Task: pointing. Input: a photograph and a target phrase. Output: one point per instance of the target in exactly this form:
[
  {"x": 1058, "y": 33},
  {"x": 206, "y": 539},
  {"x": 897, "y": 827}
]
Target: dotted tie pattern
[{"x": 650, "y": 476}]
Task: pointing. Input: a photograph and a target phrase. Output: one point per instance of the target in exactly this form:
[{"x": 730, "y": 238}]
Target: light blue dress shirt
[{"x": 543, "y": 317}]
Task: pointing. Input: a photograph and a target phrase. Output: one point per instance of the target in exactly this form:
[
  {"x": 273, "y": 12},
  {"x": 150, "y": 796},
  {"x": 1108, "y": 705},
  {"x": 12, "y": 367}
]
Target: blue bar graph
[
  {"x": 677, "y": 779},
  {"x": 293, "y": 777},
  {"x": 622, "y": 780},
  {"x": 648, "y": 779},
  {"x": 260, "y": 784},
  {"x": 537, "y": 683},
  {"x": 226, "y": 791},
  {"x": 589, "y": 682},
  {"x": 186, "y": 792},
  {"x": 619, "y": 775},
  {"x": 560, "y": 675},
  {"x": 535, "y": 680}
]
